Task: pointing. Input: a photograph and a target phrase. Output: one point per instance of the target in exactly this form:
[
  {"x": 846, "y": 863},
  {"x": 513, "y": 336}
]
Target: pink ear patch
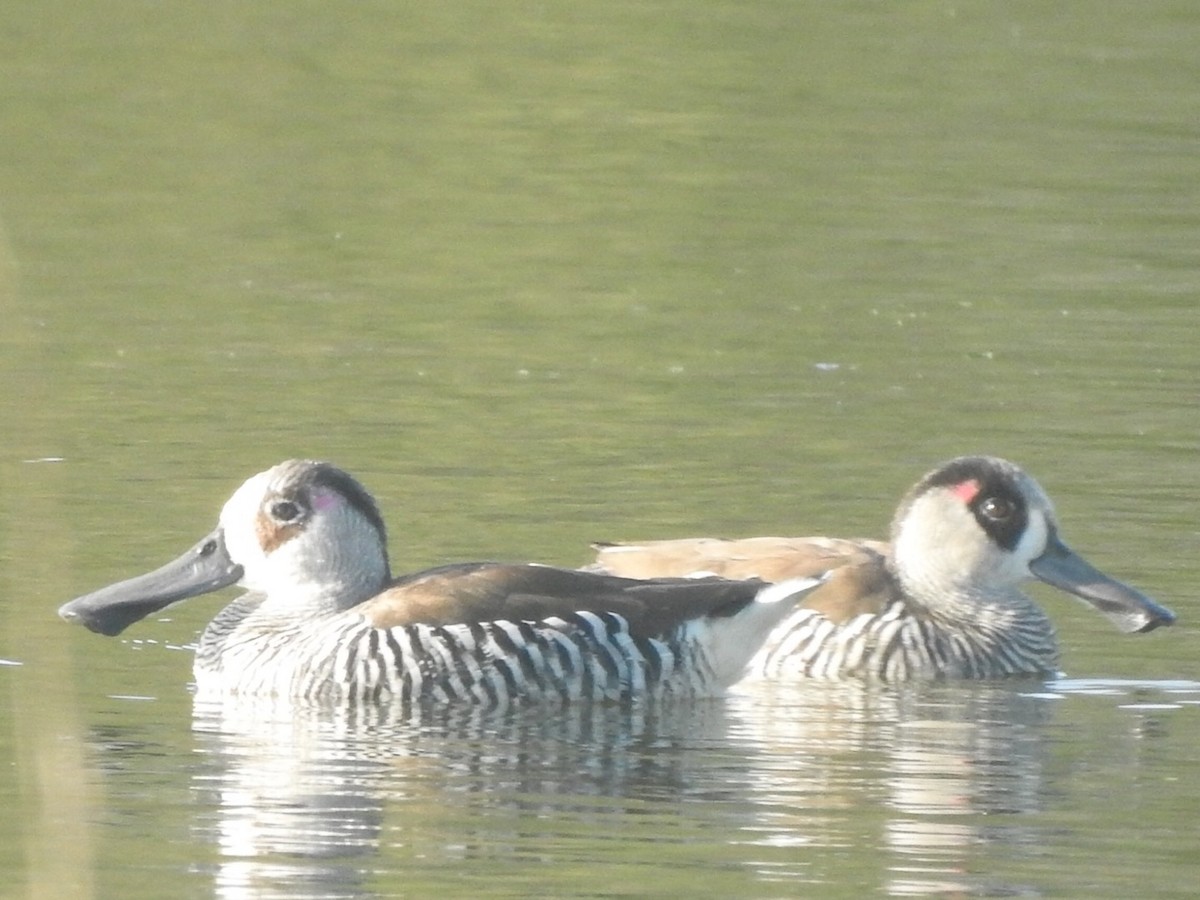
[
  {"x": 966, "y": 491},
  {"x": 323, "y": 500}
]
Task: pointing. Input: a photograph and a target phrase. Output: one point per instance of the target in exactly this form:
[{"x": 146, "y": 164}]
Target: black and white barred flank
[
  {"x": 896, "y": 645},
  {"x": 584, "y": 656}
]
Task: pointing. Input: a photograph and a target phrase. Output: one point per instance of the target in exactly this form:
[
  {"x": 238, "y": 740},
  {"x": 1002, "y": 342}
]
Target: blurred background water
[{"x": 543, "y": 274}]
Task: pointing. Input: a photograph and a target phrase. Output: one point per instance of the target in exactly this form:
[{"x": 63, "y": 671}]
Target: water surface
[{"x": 543, "y": 275}]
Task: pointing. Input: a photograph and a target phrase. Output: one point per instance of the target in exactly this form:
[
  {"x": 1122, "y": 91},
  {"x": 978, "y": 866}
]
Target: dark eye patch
[
  {"x": 996, "y": 509},
  {"x": 990, "y": 488},
  {"x": 286, "y": 512},
  {"x": 1001, "y": 513}
]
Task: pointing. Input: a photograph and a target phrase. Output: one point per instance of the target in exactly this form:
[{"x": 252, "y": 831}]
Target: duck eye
[
  {"x": 996, "y": 508},
  {"x": 285, "y": 511}
]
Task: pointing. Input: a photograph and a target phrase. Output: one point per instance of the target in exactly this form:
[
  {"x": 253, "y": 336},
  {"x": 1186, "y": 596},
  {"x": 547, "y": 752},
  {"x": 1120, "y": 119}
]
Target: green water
[{"x": 542, "y": 274}]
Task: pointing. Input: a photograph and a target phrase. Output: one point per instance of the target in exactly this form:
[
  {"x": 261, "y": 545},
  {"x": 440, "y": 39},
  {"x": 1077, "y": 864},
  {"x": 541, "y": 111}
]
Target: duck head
[
  {"x": 304, "y": 534},
  {"x": 976, "y": 527}
]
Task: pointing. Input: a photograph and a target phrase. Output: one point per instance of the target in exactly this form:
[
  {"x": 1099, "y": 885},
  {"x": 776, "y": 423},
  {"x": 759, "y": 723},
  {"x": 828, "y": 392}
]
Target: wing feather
[
  {"x": 480, "y": 592},
  {"x": 860, "y": 583}
]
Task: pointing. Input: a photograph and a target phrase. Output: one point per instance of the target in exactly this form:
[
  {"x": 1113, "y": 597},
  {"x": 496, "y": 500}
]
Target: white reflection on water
[
  {"x": 917, "y": 764},
  {"x": 313, "y": 784},
  {"x": 916, "y": 780}
]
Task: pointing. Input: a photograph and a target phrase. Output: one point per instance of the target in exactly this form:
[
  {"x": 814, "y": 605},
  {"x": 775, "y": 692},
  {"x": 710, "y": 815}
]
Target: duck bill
[
  {"x": 206, "y": 567},
  {"x": 1129, "y": 609}
]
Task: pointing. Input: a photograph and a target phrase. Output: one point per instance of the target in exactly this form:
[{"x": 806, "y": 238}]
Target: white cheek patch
[
  {"x": 1033, "y": 541},
  {"x": 239, "y": 520},
  {"x": 243, "y": 505}
]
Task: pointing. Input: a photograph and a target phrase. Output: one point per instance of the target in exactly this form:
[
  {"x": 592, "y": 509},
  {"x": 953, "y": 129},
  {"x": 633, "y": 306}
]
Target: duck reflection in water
[{"x": 784, "y": 776}]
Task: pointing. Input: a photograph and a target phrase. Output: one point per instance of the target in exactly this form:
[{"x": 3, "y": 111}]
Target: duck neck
[
  {"x": 317, "y": 601},
  {"x": 299, "y": 589},
  {"x": 967, "y": 606}
]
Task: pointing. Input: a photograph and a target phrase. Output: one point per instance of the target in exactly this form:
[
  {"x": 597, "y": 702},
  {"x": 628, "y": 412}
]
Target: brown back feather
[
  {"x": 478, "y": 592},
  {"x": 860, "y": 583}
]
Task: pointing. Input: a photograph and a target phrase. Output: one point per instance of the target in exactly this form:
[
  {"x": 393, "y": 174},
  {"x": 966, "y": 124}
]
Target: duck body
[
  {"x": 323, "y": 620},
  {"x": 510, "y": 633},
  {"x": 941, "y": 600}
]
